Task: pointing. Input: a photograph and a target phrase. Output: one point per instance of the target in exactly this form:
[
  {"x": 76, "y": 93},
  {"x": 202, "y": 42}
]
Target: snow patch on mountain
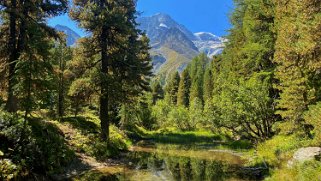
[
  {"x": 209, "y": 43},
  {"x": 163, "y": 25}
]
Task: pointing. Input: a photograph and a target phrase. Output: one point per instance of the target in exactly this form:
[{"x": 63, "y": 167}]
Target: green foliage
[
  {"x": 171, "y": 88},
  {"x": 138, "y": 112},
  {"x": 298, "y": 40},
  {"x": 280, "y": 149},
  {"x": 197, "y": 68},
  {"x": 196, "y": 114},
  {"x": 9, "y": 170},
  {"x": 245, "y": 108},
  {"x": 83, "y": 133},
  {"x": 306, "y": 171},
  {"x": 184, "y": 89},
  {"x": 208, "y": 82},
  {"x": 80, "y": 92},
  {"x": 179, "y": 117},
  {"x": 312, "y": 117},
  {"x": 157, "y": 91},
  {"x": 161, "y": 112},
  {"x": 43, "y": 149}
]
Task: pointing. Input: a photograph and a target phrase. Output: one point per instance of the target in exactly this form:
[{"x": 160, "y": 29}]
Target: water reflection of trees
[{"x": 186, "y": 168}]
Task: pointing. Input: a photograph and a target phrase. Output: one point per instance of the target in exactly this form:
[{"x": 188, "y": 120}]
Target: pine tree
[
  {"x": 208, "y": 83},
  {"x": 184, "y": 89},
  {"x": 197, "y": 69},
  {"x": 20, "y": 17},
  {"x": 157, "y": 91},
  {"x": 61, "y": 55},
  {"x": 172, "y": 88},
  {"x": 123, "y": 55}
]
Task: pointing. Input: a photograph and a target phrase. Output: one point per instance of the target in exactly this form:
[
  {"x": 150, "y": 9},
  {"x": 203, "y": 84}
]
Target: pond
[{"x": 160, "y": 162}]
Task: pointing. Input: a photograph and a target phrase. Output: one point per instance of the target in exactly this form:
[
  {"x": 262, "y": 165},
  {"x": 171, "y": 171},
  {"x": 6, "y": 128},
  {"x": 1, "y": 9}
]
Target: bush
[
  {"x": 42, "y": 149},
  {"x": 179, "y": 117}
]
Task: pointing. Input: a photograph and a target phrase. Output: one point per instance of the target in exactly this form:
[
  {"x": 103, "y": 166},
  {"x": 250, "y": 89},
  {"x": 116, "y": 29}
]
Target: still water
[{"x": 173, "y": 163}]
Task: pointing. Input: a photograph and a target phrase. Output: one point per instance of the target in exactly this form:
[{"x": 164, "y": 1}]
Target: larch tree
[{"x": 298, "y": 57}]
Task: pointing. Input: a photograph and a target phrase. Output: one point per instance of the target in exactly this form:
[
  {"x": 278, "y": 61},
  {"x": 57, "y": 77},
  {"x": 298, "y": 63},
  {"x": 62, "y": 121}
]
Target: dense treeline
[{"x": 266, "y": 81}]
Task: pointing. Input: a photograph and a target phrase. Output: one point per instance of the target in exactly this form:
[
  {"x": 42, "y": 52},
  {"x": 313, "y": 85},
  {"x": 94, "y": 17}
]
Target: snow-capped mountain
[
  {"x": 206, "y": 36},
  {"x": 173, "y": 45},
  {"x": 155, "y": 24},
  {"x": 209, "y": 44}
]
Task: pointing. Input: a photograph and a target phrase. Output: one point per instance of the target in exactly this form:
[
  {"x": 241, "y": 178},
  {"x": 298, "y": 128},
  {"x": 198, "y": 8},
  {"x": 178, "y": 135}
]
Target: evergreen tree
[
  {"x": 172, "y": 88},
  {"x": 247, "y": 60},
  {"x": 208, "y": 83},
  {"x": 61, "y": 55},
  {"x": 184, "y": 89},
  {"x": 298, "y": 57},
  {"x": 122, "y": 54},
  {"x": 20, "y": 19},
  {"x": 157, "y": 91},
  {"x": 197, "y": 68}
]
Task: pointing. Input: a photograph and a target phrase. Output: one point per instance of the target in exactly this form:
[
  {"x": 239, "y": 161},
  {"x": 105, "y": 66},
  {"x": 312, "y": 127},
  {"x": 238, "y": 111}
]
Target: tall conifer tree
[
  {"x": 123, "y": 54},
  {"x": 184, "y": 89}
]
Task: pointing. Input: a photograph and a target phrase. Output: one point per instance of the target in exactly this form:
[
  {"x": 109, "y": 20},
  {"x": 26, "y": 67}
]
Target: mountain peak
[
  {"x": 72, "y": 36},
  {"x": 173, "y": 45},
  {"x": 207, "y": 36},
  {"x": 162, "y": 15}
]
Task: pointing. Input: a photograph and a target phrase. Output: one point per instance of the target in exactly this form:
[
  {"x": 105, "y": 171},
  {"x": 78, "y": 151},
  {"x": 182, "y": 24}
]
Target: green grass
[
  {"x": 84, "y": 134},
  {"x": 276, "y": 153},
  {"x": 198, "y": 137},
  {"x": 307, "y": 171},
  {"x": 50, "y": 145}
]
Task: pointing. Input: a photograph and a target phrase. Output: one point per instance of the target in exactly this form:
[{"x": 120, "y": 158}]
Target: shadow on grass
[
  {"x": 182, "y": 138},
  {"x": 82, "y": 124},
  {"x": 97, "y": 175},
  {"x": 54, "y": 156}
]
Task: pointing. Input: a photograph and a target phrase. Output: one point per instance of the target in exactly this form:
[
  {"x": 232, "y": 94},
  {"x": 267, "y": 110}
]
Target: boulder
[{"x": 305, "y": 154}]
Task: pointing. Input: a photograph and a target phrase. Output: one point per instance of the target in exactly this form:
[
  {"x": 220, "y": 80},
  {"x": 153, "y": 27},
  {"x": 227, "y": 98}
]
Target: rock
[{"x": 305, "y": 154}]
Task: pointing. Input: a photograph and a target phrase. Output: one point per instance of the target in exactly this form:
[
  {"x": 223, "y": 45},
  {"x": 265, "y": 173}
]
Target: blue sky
[{"x": 196, "y": 15}]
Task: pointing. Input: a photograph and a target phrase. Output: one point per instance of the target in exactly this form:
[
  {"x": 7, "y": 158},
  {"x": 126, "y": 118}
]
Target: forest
[{"x": 80, "y": 112}]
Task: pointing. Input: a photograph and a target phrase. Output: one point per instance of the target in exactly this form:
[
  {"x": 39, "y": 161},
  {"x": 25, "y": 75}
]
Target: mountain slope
[
  {"x": 209, "y": 44},
  {"x": 72, "y": 36},
  {"x": 173, "y": 45}
]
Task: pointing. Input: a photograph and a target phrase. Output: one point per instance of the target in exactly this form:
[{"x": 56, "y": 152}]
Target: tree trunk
[
  {"x": 61, "y": 87},
  {"x": 11, "y": 105},
  {"x": 104, "y": 117}
]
